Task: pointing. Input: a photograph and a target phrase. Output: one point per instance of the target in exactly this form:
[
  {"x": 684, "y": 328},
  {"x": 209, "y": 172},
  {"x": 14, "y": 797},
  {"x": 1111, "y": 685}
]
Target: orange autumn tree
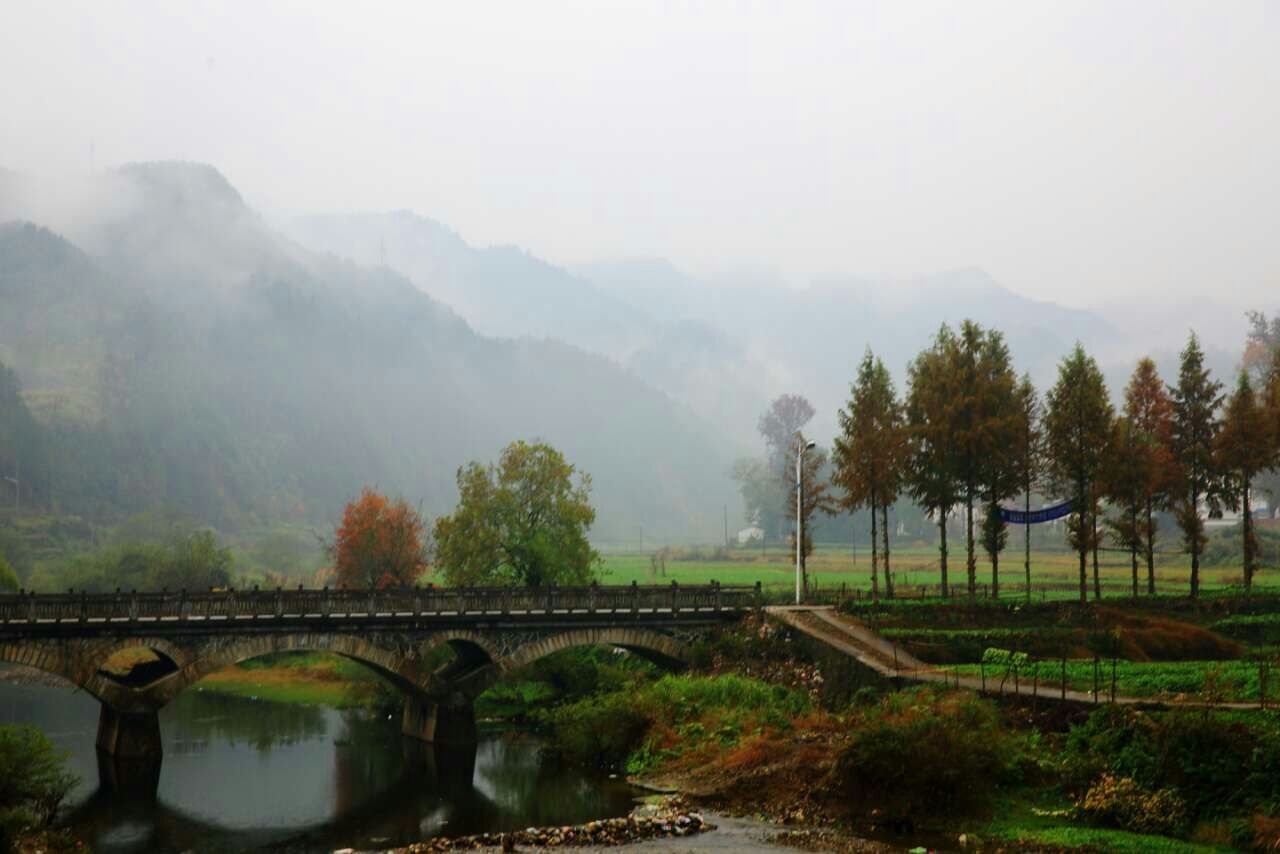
[{"x": 380, "y": 543}]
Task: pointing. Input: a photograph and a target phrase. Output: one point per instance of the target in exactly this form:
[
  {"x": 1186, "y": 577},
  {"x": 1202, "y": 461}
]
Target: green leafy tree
[
  {"x": 931, "y": 433},
  {"x": 523, "y": 521},
  {"x": 9, "y": 582},
  {"x": 1196, "y": 400},
  {"x": 198, "y": 563},
  {"x": 1245, "y": 445},
  {"x": 761, "y": 490},
  {"x": 815, "y": 497},
  {"x": 870, "y": 454},
  {"x": 1077, "y": 427},
  {"x": 1149, "y": 411},
  {"x": 33, "y": 783}
]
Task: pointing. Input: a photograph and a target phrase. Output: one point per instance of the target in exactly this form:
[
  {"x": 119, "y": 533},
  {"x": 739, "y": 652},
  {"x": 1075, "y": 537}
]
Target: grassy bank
[
  {"x": 312, "y": 678},
  {"x": 928, "y": 764}
]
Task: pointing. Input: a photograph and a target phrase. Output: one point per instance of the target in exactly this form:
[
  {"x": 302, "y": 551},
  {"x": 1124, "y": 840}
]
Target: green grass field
[{"x": 832, "y": 566}]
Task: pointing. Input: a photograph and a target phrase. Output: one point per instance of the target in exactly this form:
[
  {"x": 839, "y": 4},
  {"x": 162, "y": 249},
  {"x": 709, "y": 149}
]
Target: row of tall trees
[{"x": 971, "y": 435}]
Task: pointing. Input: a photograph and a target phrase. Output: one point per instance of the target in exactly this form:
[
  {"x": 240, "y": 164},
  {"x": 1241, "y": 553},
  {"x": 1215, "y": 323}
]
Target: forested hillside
[{"x": 176, "y": 353}]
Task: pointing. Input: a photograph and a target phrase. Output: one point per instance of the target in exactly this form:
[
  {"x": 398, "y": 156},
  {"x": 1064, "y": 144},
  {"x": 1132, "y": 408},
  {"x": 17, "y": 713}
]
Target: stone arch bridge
[{"x": 490, "y": 631}]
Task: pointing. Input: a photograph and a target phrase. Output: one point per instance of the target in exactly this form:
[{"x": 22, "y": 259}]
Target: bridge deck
[{"x": 71, "y": 613}]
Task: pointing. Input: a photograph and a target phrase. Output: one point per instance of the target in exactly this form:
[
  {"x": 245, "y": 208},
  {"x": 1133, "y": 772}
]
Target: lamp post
[{"x": 801, "y": 447}]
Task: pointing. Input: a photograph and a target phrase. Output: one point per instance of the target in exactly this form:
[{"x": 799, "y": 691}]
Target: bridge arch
[
  {"x": 475, "y": 647},
  {"x": 54, "y": 660},
  {"x": 662, "y": 649}
]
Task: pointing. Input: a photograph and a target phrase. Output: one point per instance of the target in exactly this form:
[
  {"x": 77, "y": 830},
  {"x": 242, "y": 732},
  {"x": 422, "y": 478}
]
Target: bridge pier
[
  {"x": 126, "y": 735},
  {"x": 439, "y": 721}
]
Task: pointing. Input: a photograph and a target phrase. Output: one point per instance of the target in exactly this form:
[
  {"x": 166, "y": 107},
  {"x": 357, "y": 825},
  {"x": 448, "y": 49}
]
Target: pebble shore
[{"x": 669, "y": 818}]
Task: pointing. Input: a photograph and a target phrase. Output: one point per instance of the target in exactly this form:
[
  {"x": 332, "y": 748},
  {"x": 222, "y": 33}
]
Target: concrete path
[{"x": 852, "y": 637}]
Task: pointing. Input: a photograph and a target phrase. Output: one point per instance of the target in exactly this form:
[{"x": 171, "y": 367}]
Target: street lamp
[{"x": 801, "y": 447}]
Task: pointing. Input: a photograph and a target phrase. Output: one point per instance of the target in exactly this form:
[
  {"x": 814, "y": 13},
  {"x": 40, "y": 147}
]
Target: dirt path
[{"x": 854, "y": 638}]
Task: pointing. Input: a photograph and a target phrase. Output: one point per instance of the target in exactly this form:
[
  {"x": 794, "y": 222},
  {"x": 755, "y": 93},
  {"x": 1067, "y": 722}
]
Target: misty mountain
[
  {"x": 500, "y": 291},
  {"x": 725, "y": 346},
  {"x": 189, "y": 357}
]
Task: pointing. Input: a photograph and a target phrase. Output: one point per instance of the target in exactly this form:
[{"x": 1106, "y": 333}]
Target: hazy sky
[{"x": 1076, "y": 151}]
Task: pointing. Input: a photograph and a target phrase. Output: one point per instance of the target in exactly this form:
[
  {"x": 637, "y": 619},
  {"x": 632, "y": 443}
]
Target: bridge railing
[{"x": 255, "y": 604}]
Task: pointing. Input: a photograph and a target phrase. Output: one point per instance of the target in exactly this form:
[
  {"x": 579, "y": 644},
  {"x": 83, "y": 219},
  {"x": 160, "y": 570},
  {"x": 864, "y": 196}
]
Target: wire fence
[{"x": 1022, "y": 675}]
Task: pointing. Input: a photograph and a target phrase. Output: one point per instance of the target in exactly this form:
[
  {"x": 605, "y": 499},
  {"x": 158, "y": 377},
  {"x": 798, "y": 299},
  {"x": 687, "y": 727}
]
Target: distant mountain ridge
[{"x": 722, "y": 348}]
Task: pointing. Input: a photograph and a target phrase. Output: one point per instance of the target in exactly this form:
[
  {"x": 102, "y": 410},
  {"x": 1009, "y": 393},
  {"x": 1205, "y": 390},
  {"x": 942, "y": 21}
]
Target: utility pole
[{"x": 801, "y": 447}]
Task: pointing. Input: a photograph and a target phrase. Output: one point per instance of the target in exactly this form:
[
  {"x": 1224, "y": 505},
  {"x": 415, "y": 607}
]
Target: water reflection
[{"x": 240, "y": 774}]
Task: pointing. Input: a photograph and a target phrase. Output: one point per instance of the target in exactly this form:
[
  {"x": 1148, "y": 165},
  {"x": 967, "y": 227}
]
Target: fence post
[
  {"x": 635, "y": 598},
  {"x": 675, "y": 592},
  {"x": 1095, "y": 680},
  {"x": 1064, "y": 677},
  {"x": 1262, "y": 685},
  {"x": 759, "y": 599}
]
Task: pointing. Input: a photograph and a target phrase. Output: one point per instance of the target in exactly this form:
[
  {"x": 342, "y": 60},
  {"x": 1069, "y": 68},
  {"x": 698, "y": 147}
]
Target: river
[{"x": 241, "y": 774}]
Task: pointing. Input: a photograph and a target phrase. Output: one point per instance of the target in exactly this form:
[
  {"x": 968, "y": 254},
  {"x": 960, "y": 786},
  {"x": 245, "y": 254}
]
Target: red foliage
[{"x": 379, "y": 544}]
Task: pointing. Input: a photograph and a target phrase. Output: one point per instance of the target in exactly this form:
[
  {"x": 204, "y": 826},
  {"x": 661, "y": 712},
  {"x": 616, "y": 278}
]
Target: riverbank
[{"x": 664, "y": 824}]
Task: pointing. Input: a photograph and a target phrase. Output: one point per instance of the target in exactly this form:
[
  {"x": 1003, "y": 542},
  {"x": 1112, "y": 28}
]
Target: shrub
[
  {"x": 1120, "y": 802},
  {"x": 597, "y": 732},
  {"x": 924, "y": 752},
  {"x": 32, "y": 781},
  {"x": 1219, "y": 763},
  {"x": 605, "y": 730}
]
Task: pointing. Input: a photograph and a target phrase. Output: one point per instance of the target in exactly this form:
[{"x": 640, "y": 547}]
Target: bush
[
  {"x": 597, "y": 732},
  {"x": 1121, "y": 802},
  {"x": 8, "y": 578},
  {"x": 662, "y": 718},
  {"x": 924, "y": 752},
  {"x": 1219, "y": 763},
  {"x": 32, "y": 781}
]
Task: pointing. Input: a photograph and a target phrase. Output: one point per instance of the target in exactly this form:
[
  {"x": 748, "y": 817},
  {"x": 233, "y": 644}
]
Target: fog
[
  {"x": 253, "y": 259},
  {"x": 1087, "y": 153}
]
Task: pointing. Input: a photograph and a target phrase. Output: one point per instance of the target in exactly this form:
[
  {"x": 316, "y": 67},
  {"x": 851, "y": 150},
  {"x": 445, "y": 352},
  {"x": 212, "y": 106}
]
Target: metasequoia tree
[
  {"x": 1077, "y": 425},
  {"x": 870, "y": 454},
  {"x": 1245, "y": 445},
  {"x": 523, "y": 521},
  {"x": 981, "y": 385},
  {"x": 815, "y": 496},
  {"x": 380, "y": 543},
  {"x": 1001, "y": 416},
  {"x": 931, "y": 436},
  {"x": 1126, "y": 485},
  {"x": 1028, "y": 457},
  {"x": 1150, "y": 414},
  {"x": 1196, "y": 399}
]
